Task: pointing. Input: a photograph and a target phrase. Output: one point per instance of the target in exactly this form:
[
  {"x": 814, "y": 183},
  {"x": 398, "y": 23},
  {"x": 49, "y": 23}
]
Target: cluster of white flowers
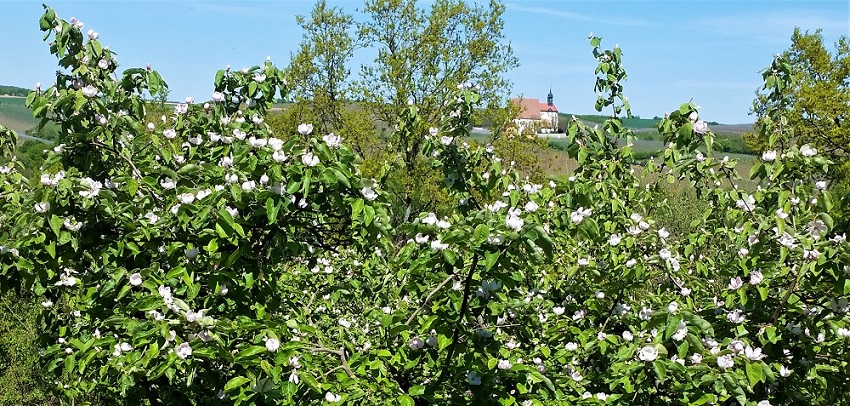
[
  {"x": 52, "y": 180},
  {"x": 580, "y": 214},
  {"x": 513, "y": 221}
]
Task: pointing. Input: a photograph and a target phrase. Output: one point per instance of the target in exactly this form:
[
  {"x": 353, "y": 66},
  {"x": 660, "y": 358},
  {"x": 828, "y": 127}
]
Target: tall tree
[
  {"x": 318, "y": 72},
  {"x": 819, "y": 107},
  {"x": 423, "y": 55}
]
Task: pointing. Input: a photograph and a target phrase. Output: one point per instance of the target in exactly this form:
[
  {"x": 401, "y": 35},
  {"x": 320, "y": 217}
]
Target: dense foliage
[{"x": 202, "y": 258}]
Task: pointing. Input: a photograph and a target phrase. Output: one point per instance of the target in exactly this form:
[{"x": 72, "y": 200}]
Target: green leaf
[
  {"x": 490, "y": 259},
  {"x": 368, "y": 215},
  {"x": 707, "y": 398},
  {"x": 660, "y": 370},
  {"x": 405, "y": 400},
  {"x": 356, "y": 208},
  {"x": 271, "y": 210},
  {"x": 340, "y": 177},
  {"x": 235, "y": 383},
  {"x": 250, "y": 352},
  {"x": 481, "y": 233},
  {"x": 55, "y": 224},
  {"x": 189, "y": 170},
  {"x": 754, "y": 373}
]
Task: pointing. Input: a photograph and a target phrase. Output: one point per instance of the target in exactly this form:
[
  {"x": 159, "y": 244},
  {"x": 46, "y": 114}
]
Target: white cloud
[
  {"x": 776, "y": 26},
  {"x": 551, "y": 12}
]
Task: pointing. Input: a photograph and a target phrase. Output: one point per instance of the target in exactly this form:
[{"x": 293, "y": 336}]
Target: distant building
[{"x": 535, "y": 115}]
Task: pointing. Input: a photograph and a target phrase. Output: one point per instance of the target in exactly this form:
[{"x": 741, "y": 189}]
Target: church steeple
[{"x": 550, "y": 98}]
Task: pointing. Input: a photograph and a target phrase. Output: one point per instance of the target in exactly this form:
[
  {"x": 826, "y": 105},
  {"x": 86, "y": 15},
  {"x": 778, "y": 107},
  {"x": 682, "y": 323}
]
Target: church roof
[{"x": 531, "y": 108}]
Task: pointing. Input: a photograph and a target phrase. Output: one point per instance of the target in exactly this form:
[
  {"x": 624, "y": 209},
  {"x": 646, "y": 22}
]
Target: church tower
[{"x": 550, "y": 98}]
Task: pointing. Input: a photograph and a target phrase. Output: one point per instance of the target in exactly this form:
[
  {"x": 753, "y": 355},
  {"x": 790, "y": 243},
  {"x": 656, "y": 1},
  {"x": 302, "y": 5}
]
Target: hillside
[
  {"x": 14, "y": 91},
  {"x": 15, "y": 115}
]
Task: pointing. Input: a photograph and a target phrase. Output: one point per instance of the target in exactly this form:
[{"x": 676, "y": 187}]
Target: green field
[
  {"x": 634, "y": 123},
  {"x": 15, "y": 115}
]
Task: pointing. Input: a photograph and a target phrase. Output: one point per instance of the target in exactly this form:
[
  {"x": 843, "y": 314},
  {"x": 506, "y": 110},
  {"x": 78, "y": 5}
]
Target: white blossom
[
  {"x": 754, "y": 354},
  {"x": 332, "y": 398},
  {"x": 186, "y": 198},
  {"x": 648, "y": 353},
  {"x": 700, "y": 127},
  {"x": 579, "y": 215},
  {"x": 756, "y": 277},
  {"x": 725, "y": 361},
  {"x": 369, "y": 193},
  {"x": 92, "y": 186},
  {"x": 279, "y": 156},
  {"x": 272, "y": 344},
  {"x": 816, "y": 228},
  {"x": 437, "y": 245},
  {"x": 333, "y": 141},
  {"x": 183, "y": 350},
  {"x": 309, "y": 159},
  {"x": 416, "y": 343},
  {"x": 513, "y": 221},
  {"x": 42, "y": 207},
  {"x": 736, "y": 317},
  {"x": 746, "y": 203},
  {"x": 305, "y": 129},
  {"x": 768, "y": 156},
  {"x": 807, "y": 150},
  {"x": 249, "y": 185},
  {"x": 89, "y": 91},
  {"x": 136, "y": 279},
  {"x": 787, "y": 241},
  {"x": 735, "y": 283}
]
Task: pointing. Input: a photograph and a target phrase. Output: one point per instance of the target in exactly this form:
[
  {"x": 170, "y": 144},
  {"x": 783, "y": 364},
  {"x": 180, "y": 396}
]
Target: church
[{"x": 536, "y": 115}]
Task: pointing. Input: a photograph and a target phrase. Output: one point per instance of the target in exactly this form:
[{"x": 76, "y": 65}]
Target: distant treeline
[{"x": 14, "y": 90}]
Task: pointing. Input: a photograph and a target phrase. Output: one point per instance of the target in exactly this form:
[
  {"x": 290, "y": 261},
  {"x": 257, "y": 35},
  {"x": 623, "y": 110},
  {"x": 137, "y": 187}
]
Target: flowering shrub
[{"x": 200, "y": 258}]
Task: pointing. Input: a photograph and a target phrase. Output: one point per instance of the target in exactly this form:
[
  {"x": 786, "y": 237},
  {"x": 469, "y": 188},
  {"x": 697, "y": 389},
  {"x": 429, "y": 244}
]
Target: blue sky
[{"x": 674, "y": 51}]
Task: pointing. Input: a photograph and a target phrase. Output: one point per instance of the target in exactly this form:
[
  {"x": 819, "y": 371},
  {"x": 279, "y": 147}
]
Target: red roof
[{"x": 531, "y": 108}]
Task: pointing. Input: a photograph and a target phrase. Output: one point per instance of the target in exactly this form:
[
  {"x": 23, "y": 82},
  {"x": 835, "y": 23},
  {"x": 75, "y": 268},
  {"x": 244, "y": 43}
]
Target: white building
[{"x": 538, "y": 116}]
